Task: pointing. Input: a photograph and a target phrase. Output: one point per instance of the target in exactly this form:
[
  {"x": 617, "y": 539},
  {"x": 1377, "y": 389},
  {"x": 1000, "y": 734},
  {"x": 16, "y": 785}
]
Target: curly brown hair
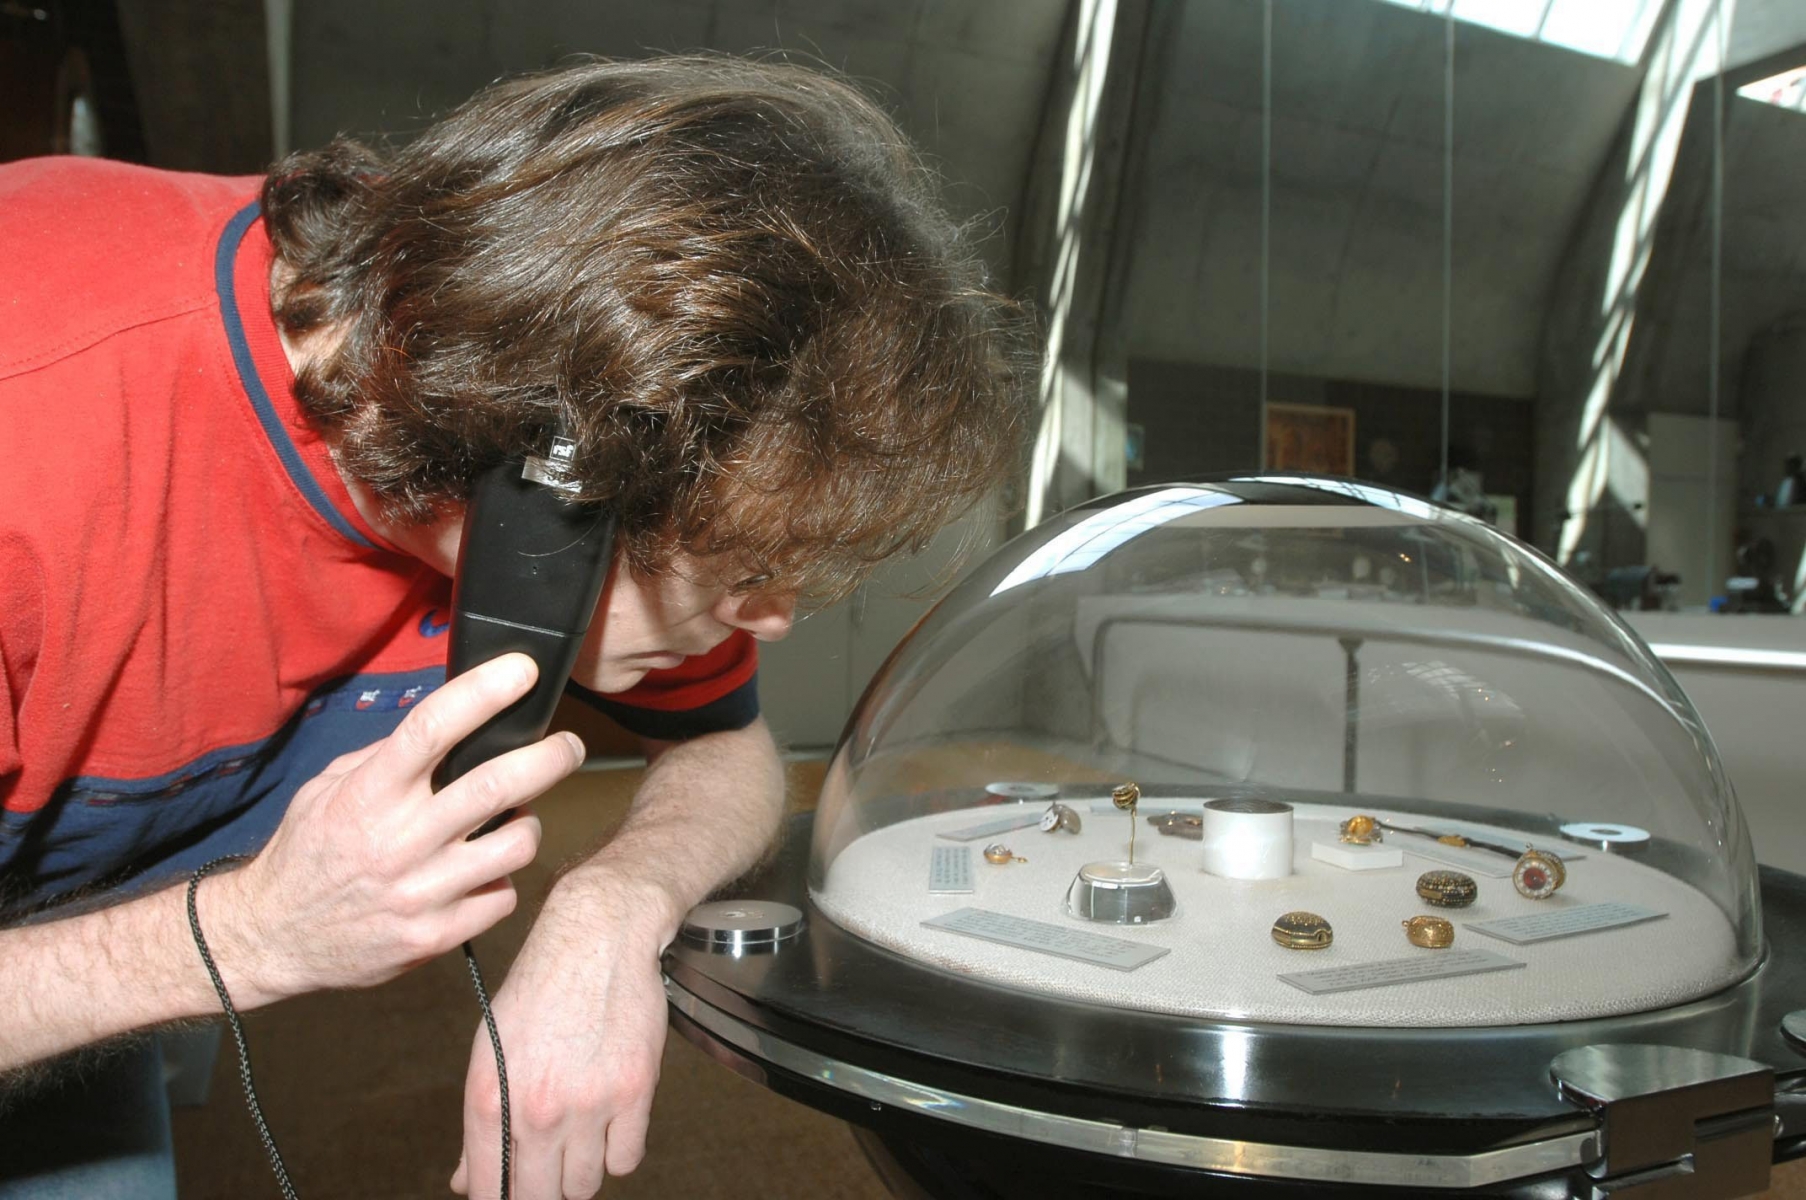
[{"x": 730, "y": 282}]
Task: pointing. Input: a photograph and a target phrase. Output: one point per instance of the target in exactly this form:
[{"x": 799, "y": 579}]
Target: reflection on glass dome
[{"x": 1320, "y": 644}]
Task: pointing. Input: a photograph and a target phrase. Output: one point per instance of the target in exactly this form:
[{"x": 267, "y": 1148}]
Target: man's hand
[
  {"x": 582, "y": 1016},
  {"x": 369, "y": 873},
  {"x": 582, "y": 1021}
]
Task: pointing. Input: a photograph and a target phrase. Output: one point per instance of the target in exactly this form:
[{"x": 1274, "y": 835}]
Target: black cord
[
  {"x": 238, "y": 1030},
  {"x": 244, "y": 1052},
  {"x": 501, "y": 1066}
]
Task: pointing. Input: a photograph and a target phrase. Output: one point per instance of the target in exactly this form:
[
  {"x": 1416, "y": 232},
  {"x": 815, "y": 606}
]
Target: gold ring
[
  {"x": 1362, "y": 830},
  {"x": 1126, "y": 796},
  {"x": 1447, "y": 889},
  {"x": 1432, "y": 933},
  {"x": 999, "y": 853},
  {"x": 1302, "y": 931}
]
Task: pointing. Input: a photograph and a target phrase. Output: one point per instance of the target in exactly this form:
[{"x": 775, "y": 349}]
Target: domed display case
[
  {"x": 1278, "y": 832},
  {"x": 1326, "y": 647}
]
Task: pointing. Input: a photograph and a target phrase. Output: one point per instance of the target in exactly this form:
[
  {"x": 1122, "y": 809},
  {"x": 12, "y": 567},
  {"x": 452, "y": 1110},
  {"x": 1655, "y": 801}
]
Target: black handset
[{"x": 530, "y": 571}]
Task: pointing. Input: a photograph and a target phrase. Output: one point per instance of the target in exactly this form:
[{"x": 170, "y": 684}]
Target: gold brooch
[
  {"x": 1362, "y": 830},
  {"x": 1302, "y": 931},
  {"x": 1125, "y": 796},
  {"x": 1538, "y": 874},
  {"x": 1432, "y": 933},
  {"x": 1447, "y": 889}
]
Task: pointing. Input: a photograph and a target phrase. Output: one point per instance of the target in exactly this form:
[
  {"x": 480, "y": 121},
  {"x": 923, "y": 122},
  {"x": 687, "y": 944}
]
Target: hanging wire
[
  {"x": 1266, "y": 204},
  {"x": 1716, "y": 300},
  {"x": 1448, "y": 219}
]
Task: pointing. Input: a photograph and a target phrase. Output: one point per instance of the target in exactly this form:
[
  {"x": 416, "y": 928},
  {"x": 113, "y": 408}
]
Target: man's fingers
[
  {"x": 627, "y": 1137},
  {"x": 449, "y": 715},
  {"x": 472, "y": 866},
  {"x": 583, "y": 1172},
  {"x": 538, "y": 1162},
  {"x": 507, "y": 781},
  {"x": 481, "y": 911}
]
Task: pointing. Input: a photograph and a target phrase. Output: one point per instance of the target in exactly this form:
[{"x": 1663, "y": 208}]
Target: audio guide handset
[
  {"x": 530, "y": 572},
  {"x": 531, "y": 567}
]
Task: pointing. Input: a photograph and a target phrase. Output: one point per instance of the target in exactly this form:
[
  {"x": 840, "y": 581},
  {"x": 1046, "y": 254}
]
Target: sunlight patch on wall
[
  {"x": 1786, "y": 90},
  {"x": 1687, "y": 49},
  {"x": 1096, "y": 24}
]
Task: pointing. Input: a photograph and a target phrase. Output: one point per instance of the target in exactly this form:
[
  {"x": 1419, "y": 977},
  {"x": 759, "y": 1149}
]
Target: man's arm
[
  {"x": 705, "y": 814},
  {"x": 85, "y": 979},
  {"x": 367, "y": 875},
  {"x": 582, "y": 1015}
]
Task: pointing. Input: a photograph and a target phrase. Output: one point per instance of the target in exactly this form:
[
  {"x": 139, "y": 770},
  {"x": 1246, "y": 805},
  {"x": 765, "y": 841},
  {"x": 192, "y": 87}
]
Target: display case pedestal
[{"x": 1120, "y": 893}]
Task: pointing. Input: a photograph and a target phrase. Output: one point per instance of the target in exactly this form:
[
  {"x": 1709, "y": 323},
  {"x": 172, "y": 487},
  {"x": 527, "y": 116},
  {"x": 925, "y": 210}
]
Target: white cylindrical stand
[{"x": 1248, "y": 839}]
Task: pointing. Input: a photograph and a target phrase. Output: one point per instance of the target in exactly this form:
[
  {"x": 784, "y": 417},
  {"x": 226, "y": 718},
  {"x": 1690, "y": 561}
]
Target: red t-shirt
[{"x": 194, "y": 618}]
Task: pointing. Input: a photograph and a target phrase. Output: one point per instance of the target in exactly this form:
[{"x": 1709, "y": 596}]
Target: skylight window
[
  {"x": 1614, "y": 29},
  {"x": 1786, "y": 90}
]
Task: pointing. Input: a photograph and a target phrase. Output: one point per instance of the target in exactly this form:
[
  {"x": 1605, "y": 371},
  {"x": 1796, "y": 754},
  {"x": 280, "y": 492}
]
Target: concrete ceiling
[
  {"x": 1356, "y": 226},
  {"x": 967, "y": 79}
]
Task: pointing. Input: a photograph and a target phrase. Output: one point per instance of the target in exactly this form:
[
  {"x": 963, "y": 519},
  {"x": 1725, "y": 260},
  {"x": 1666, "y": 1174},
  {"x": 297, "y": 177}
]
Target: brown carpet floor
[{"x": 364, "y": 1089}]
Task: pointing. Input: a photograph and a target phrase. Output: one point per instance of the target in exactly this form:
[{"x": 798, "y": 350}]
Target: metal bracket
[
  {"x": 1673, "y": 1121},
  {"x": 554, "y": 469}
]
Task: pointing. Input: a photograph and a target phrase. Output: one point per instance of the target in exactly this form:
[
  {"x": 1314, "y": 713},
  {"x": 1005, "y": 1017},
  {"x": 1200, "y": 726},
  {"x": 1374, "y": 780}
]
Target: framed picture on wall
[{"x": 1307, "y": 437}]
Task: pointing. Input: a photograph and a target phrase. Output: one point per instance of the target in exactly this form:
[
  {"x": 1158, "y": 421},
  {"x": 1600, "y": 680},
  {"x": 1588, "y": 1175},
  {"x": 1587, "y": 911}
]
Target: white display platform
[{"x": 1223, "y": 961}]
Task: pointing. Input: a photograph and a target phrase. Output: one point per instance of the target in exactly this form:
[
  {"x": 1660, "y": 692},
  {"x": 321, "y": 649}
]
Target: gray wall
[
  {"x": 1668, "y": 363},
  {"x": 966, "y": 81},
  {"x": 1203, "y": 419},
  {"x": 1357, "y": 193}
]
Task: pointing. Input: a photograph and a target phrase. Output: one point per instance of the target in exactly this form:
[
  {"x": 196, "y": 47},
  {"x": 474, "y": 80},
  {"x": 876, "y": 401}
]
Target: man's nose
[{"x": 767, "y": 616}]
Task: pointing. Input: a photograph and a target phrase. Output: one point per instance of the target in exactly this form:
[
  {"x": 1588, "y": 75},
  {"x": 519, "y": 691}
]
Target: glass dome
[{"x": 1314, "y": 647}]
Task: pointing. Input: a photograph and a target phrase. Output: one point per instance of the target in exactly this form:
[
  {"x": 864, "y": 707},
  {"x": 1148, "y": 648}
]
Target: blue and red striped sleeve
[{"x": 710, "y": 693}]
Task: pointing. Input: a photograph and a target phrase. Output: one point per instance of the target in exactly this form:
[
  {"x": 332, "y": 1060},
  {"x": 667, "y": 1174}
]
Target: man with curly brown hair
[{"x": 241, "y": 420}]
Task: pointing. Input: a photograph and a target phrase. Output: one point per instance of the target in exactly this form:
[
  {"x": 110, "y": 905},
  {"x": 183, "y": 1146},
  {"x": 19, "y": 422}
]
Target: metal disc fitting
[{"x": 741, "y": 926}]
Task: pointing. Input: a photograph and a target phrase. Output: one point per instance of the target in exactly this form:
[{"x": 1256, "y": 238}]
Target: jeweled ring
[
  {"x": 1538, "y": 874},
  {"x": 999, "y": 853},
  {"x": 1447, "y": 889},
  {"x": 1362, "y": 830},
  {"x": 1432, "y": 933},
  {"x": 1302, "y": 931}
]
